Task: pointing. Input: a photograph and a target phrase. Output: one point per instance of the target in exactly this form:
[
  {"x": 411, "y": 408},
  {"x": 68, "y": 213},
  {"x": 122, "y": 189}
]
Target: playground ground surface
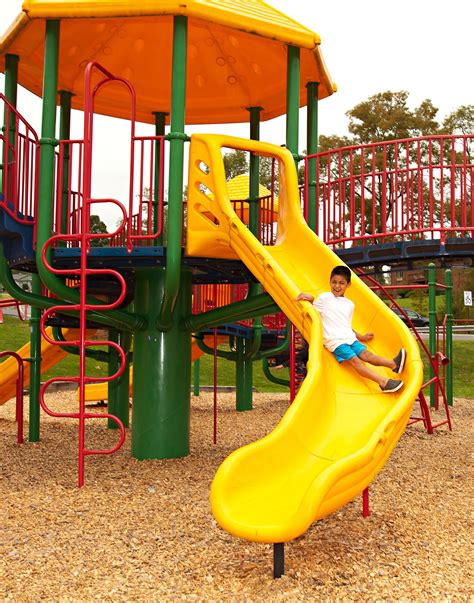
[{"x": 143, "y": 531}]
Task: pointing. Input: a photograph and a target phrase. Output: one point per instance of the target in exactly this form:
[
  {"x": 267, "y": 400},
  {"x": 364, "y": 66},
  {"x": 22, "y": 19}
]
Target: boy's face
[{"x": 338, "y": 285}]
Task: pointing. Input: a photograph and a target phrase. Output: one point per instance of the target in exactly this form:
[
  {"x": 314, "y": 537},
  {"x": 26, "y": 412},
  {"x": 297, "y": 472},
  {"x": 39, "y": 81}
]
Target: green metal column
[
  {"x": 65, "y": 134},
  {"x": 118, "y": 389},
  {"x": 11, "y": 89},
  {"x": 197, "y": 367},
  {"x": 175, "y": 187},
  {"x": 35, "y": 363},
  {"x": 161, "y": 372},
  {"x": 312, "y": 148},
  {"x": 292, "y": 99},
  {"x": 244, "y": 376},
  {"x": 449, "y": 336},
  {"x": 160, "y": 123},
  {"x": 432, "y": 335}
]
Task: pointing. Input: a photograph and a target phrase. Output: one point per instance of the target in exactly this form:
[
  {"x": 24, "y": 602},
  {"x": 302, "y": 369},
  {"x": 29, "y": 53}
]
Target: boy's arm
[
  {"x": 305, "y": 297},
  {"x": 364, "y": 338}
]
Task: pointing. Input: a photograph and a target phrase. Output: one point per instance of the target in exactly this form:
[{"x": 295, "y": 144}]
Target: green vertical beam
[
  {"x": 432, "y": 334},
  {"x": 35, "y": 364},
  {"x": 254, "y": 168},
  {"x": 118, "y": 389},
  {"x": 175, "y": 187},
  {"x": 11, "y": 89},
  {"x": 292, "y": 99},
  {"x": 65, "y": 134},
  {"x": 243, "y": 376},
  {"x": 197, "y": 367},
  {"x": 161, "y": 372},
  {"x": 449, "y": 336},
  {"x": 160, "y": 123},
  {"x": 311, "y": 149}
]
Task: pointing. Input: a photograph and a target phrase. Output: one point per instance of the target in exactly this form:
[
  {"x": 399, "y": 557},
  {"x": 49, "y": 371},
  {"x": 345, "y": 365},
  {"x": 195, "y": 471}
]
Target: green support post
[
  {"x": 197, "y": 367},
  {"x": 35, "y": 364},
  {"x": 432, "y": 334},
  {"x": 11, "y": 90},
  {"x": 175, "y": 188},
  {"x": 449, "y": 336},
  {"x": 292, "y": 100},
  {"x": 161, "y": 372},
  {"x": 65, "y": 134},
  {"x": 311, "y": 149},
  {"x": 244, "y": 376},
  {"x": 160, "y": 123},
  {"x": 118, "y": 390}
]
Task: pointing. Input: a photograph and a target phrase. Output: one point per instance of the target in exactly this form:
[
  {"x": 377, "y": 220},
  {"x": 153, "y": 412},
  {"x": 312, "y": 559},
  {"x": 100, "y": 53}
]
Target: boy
[{"x": 336, "y": 314}]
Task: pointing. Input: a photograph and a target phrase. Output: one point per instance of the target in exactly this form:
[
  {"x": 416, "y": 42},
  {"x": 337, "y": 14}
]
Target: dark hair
[{"x": 342, "y": 271}]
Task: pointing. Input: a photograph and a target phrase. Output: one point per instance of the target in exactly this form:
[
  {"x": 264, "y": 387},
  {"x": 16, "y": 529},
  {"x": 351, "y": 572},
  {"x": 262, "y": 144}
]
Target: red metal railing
[
  {"x": 434, "y": 361},
  {"x": 418, "y": 188},
  {"x": 19, "y": 156},
  {"x": 19, "y": 392},
  {"x": 21, "y": 309}
]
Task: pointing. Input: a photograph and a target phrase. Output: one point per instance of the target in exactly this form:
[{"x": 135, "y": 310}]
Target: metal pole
[
  {"x": 449, "y": 336},
  {"x": 292, "y": 99},
  {"x": 11, "y": 90},
  {"x": 160, "y": 123},
  {"x": 197, "y": 366},
  {"x": 278, "y": 559},
  {"x": 311, "y": 149},
  {"x": 119, "y": 388},
  {"x": 175, "y": 194},
  {"x": 65, "y": 134},
  {"x": 161, "y": 372},
  {"x": 432, "y": 334}
]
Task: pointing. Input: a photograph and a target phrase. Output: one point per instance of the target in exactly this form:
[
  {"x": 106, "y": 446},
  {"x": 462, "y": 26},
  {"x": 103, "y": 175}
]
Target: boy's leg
[
  {"x": 365, "y": 371},
  {"x": 375, "y": 360}
]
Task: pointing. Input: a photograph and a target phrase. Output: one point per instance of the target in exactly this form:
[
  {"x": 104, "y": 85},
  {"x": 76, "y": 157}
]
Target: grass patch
[{"x": 14, "y": 333}]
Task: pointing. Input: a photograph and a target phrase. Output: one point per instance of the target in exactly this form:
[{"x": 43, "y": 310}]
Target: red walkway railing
[
  {"x": 19, "y": 158},
  {"x": 418, "y": 188}
]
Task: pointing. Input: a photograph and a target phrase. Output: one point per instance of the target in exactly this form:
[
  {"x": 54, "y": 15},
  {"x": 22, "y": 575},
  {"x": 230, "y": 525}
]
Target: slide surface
[
  {"x": 340, "y": 429},
  {"x": 50, "y": 355}
]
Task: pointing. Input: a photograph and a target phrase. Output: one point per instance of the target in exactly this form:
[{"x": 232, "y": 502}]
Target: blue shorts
[{"x": 346, "y": 352}]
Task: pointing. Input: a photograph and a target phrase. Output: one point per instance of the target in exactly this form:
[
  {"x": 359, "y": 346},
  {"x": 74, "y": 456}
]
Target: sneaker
[
  {"x": 392, "y": 385},
  {"x": 400, "y": 361}
]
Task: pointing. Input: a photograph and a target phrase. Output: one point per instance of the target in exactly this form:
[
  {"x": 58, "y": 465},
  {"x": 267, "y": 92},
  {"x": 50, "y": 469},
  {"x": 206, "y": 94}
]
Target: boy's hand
[
  {"x": 366, "y": 337},
  {"x": 305, "y": 297}
]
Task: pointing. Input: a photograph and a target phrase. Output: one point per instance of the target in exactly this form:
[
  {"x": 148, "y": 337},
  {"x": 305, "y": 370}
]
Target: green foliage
[
  {"x": 386, "y": 116},
  {"x": 98, "y": 227}
]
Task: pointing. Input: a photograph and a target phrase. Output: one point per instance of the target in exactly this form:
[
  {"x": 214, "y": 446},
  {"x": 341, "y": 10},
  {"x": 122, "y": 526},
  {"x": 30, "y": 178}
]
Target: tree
[
  {"x": 386, "y": 116},
  {"x": 98, "y": 227}
]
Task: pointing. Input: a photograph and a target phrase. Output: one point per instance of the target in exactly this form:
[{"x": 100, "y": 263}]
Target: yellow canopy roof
[{"x": 236, "y": 54}]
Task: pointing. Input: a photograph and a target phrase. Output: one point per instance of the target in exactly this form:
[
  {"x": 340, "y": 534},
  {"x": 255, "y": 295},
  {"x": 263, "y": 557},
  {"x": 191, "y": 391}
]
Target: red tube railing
[
  {"x": 434, "y": 361},
  {"x": 19, "y": 157},
  {"x": 417, "y": 188},
  {"x": 19, "y": 392}
]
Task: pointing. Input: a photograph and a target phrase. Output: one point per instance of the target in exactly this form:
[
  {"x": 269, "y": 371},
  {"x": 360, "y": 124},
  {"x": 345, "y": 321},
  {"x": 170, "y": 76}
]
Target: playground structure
[{"x": 326, "y": 446}]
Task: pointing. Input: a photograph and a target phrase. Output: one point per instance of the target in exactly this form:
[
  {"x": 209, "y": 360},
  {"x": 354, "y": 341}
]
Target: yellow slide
[
  {"x": 98, "y": 391},
  {"x": 340, "y": 430},
  {"x": 50, "y": 355}
]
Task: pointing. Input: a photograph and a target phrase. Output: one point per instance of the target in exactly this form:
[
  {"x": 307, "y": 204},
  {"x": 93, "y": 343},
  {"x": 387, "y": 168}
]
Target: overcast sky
[{"x": 422, "y": 46}]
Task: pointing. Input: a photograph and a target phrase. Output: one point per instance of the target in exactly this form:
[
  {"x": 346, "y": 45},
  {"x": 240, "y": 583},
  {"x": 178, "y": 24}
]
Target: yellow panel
[
  {"x": 229, "y": 68},
  {"x": 340, "y": 430}
]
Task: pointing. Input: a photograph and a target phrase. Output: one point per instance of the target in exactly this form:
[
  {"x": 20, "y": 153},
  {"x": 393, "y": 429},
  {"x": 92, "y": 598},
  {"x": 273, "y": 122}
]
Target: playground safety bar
[
  {"x": 433, "y": 360},
  {"x": 393, "y": 191},
  {"x": 19, "y": 165},
  {"x": 19, "y": 392}
]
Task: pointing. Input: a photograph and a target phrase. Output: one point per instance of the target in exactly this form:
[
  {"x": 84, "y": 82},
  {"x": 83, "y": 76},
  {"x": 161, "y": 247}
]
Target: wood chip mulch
[{"x": 143, "y": 531}]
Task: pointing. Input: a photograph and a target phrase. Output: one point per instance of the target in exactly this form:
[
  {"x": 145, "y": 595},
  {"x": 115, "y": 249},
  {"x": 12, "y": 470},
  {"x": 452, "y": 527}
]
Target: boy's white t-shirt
[{"x": 336, "y": 315}]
